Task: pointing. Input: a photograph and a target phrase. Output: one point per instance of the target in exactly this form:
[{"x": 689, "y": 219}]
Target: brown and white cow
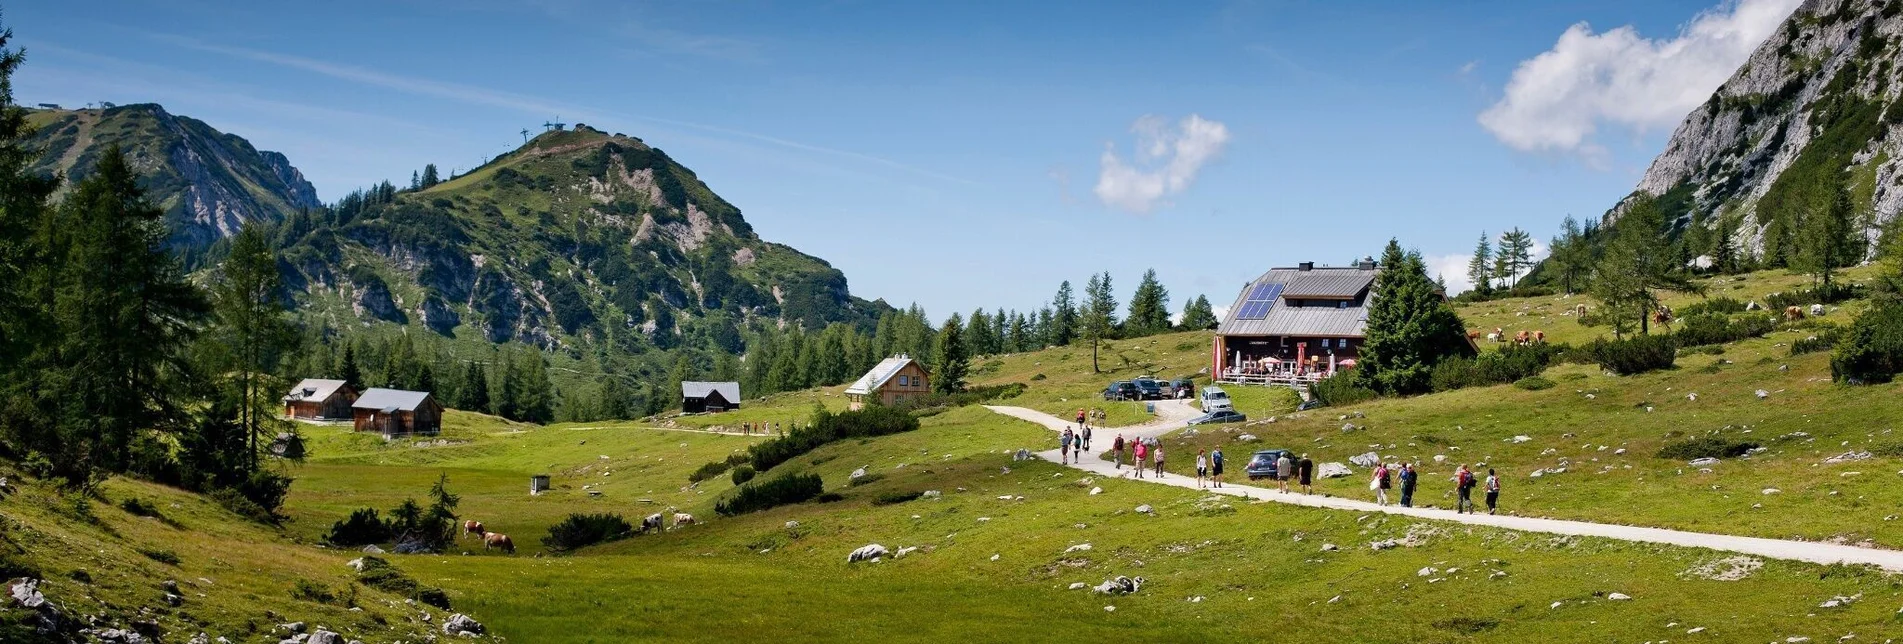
[
  {"x": 473, "y": 528},
  {"x": 1793, "y": 313},
  {"x": 683, "y": 519},
  {"x": 498, "y": 540}
]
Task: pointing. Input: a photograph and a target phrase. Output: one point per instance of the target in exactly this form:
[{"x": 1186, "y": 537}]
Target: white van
[{"x": 1215, "y": 399}]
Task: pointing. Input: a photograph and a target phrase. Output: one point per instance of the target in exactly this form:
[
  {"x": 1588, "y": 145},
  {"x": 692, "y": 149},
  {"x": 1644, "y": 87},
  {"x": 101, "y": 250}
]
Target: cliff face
[
  {"x": 1816, "y": 104},
  {"x": 210, "y": 183}
]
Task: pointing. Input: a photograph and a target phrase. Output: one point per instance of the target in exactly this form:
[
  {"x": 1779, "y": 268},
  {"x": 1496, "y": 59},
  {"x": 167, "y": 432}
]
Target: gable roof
[
  {"x": 388, "y": 400},
  {"x": 880, "y": 374},
  {"x": 314, "y": 390},
  {"x": 1350, "y": 283},
  {"x": 697, "y": 389}
]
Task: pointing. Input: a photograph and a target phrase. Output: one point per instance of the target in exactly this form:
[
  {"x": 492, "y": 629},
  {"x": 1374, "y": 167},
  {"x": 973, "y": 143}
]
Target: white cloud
[
  {"x": 1166, "y": 162},
  {"x": 1556, "y": 101}
]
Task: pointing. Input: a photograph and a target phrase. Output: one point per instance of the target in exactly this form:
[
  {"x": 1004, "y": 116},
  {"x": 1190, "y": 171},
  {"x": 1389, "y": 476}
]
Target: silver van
[{"x": 1214, "y": 398}]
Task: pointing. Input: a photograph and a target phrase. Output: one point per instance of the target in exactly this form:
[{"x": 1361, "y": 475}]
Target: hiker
[
  {"x": 1086, "y": 437},
  {"x": 1116, "y": 449},
  {"x": 1077, "y": 443},
  {"x": 1063, "y": 443},
  {"x": 1215, "y": 473},
  {"x": 1284, "y": 470},
  {"x": 1464, "y": 484},
  {"x": 1141, "y": 452},
  {"x": 1157, "y": 451},
  {"x": 1380, "y": 484},
  {"x": 1306, "y": 471},
  {"x": 1080, "y": 419},
  {"x": 1493, "y": 491},
  {"x": 1202, "y": 467},
  {"x": 1408, "y": 477}
]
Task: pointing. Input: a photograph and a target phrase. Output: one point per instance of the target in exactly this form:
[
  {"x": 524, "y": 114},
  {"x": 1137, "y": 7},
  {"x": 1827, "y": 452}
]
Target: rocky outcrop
[{"x": 1816, "y": 101}]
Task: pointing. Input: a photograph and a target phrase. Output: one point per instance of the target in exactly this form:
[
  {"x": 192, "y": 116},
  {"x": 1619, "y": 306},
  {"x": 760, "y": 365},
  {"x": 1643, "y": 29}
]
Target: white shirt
[{"x": 1200, "y": 463}]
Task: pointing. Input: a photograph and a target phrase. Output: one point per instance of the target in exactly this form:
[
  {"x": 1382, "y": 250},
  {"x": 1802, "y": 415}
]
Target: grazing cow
[
  {"x": 683, "y": 519},
  {"x": 1539, "y": 337},
  {"x": 1473, "y": 335},
  {"x": 473, "y": 528},
  {"x": 1499, "y": 334},
  {"x": 1793, "y": 313},
  {"x": 1663, "y": 316},
  {"x": 652, "y": 522},
  {"x": 1493, "y": 337},
  {"x": 498, "y": 540},
  {"x": 1522, "y": 338}
]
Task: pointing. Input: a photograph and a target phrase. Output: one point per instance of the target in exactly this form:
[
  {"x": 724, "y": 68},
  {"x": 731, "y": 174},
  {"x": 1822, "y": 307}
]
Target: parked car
[
  {"x": 1121, "y": 390},
  {"x": 1262, "y": 464},
  {"x": 1214, "y": 398},
  {"x": 1219, "y": 416},
  {"x": 1312, "y": 403},
  {"x": 1183, "y": 388},
  {"x": 1148, "y": 388}
]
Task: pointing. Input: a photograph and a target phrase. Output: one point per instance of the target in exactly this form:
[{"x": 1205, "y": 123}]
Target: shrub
[
  {"x": 362, "y": 527},
  {"x": 1340, "y": 389},
  {"x": 139, "y": 507},
  {"x": 1705, "y": 447},
  {"x": 785, "y": 490},
  {"x": 1719, "y": 329},
  {"x": 895, "y": 498},
  {"x": 580, "y": 530},
  {"x": 1634, "y": 355},
  {"x": 160, "y": 555},
  {"x": 971, "y": 396},
  {"x": 1804, "y": 297},
  {"x": 1533, "y": 383},
  {"x": 1721, "y": 305},
  {"x": 1823, "y": 340},
  {"x": 380, "y": 574},
  {"x": 743, "y": 474},
  {"x": 1871, "y": 350},
  {"x": 236, "y": 502},
  {"x": 312, "y": 591},
  {"x": 830, "y": 497},
  {"x": 738, "y": 458},
  {"x": 875, "y": 420},
  {"x": 708, "y": 471},
  {"x": 1510, "y": 364},
  {"x": 266, "y": 489}
]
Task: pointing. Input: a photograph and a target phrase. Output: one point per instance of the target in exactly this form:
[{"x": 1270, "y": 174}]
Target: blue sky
[{"x": 967, "y": 154}]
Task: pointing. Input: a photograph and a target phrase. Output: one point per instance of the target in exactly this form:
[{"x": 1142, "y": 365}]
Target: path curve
[{"x": 1822, "y": 553}]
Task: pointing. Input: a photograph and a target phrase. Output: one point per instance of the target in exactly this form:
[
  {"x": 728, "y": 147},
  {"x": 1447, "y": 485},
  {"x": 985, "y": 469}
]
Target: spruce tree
[
  {"x": 1515, "y": 254},
  {"x": 1411, "y": 327},
  {"x": 348, "y": 369},
  {"x": 1149, "y": 307},
  {"x": 475, "y": 389},
  {"x": 1480, "y": 268},
  {"x": 1830, "y": 239},
  {"x": 429, "y": 176},
  {"x": 1199, "y": 315},
  {"x": 254, "y": 334},
  {"x": 950, "y": 359},
  {"x": 977, "y": 334},
  {"x": 1098, "y": 318},
  {"x": 1063, "y": 326},
  {"x": 28, "y": 265}
]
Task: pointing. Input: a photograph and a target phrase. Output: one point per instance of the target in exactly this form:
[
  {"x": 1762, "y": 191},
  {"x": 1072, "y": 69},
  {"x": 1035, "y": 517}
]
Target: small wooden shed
[
  {"x": 395, "y": 412},
  {"x": 697, "y": 397},
  {"x": 892, "y": 381},
  {"x": 315, "y": 398}
]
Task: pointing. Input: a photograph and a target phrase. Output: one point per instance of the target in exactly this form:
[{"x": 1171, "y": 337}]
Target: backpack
[{"x": 1466, "y": 479}]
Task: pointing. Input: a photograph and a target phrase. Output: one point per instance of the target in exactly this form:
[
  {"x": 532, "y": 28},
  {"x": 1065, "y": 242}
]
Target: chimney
[
  {"x": 1305, "y": 266},
  {"x": 1367, "y": 264}
]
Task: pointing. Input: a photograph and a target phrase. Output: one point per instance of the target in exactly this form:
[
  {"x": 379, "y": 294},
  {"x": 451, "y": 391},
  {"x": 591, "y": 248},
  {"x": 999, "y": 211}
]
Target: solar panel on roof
[{"x": 1262, "y": 298}]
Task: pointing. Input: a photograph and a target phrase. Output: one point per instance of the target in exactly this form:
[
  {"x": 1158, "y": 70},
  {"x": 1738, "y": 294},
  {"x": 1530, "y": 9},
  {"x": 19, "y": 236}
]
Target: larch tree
[
  {"x": 1635, "y": 266},
  {"x": 1830, "y": 239},
  {"x": 253, "y": 334}
]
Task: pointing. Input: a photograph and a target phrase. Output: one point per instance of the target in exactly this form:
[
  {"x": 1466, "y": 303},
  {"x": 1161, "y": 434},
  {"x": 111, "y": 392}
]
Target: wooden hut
[
  {"x": 697, "y": 397},
  {"x": 394, "y": 412},
  {"x": 892, "y": 381},
  {"x": 315, "y": 398}
]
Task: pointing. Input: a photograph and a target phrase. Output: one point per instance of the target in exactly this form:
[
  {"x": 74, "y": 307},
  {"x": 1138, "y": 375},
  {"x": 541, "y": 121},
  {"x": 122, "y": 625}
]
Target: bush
[
  {"x": 738, "y": 458},
  {"x": 362, "y": 528},
  {"x": 1719, "y": 329},
  {"x": 1871, "y": 350},
  {"x": 1340, "y": 389},
  {"x": 895, "y": 498},
  {"x": 1804, "y": 297},
  {"x": 236, "y": 502},
  {"x": 312, "y": 591},
  {"x": 1706, "y": 447},
  {"x": 874, "y": 420},
  {"x": 580, "y": 530},
  {"x": 266, "y": 489},
  {"x": 743, "y": 474},
  {"x": 1720, "y": 305},
  {"x": 708, "y": 471},
  {"x": 1533, "y": 383},
  {"x": 139, "y": 507},
  {"x": 785, "y": 490},
  {"x": 971, "y": 396},
  {"x": 160, "y": 555},
  {"x": 1823, "y": 340},
  {"x": 380, "y": 574},
  {"x": 1510, "y": 364},
  {"x": 1634, "y": 355}
]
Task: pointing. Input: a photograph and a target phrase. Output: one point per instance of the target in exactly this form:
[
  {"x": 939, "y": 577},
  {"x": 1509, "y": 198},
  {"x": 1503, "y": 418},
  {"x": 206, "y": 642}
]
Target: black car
[
  {"x": 1262, "y": 464},
  {"x": 1219, "y": 416},
  {"x": 1121, "y": 390},
  {"x": 1148, "y": 389}
]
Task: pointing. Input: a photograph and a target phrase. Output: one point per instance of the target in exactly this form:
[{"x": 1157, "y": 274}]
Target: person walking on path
[
  {"x": 1493, "y": 491},
  {"x": 1306, "y": 471},
  {"x": 1215, "y": 460},
  {"x": 1408, "y": 477},
  {"x": 1464, "y": 484},
  {"x": 1086, "y": 437},
  {"x": 1141, "y": 452},
  {"x": 1380, "y": 484},
  {"x": 1081, "y": 419},
  {"x": 1063, "y": 446},
  {"x": 1202, "y": 467},
  {"x": 1158, "y": 455},
  {"x": 1077, "y": 443},
  {"x": 1116, "y": 449},
  {"x": 1284, "y": 471}
]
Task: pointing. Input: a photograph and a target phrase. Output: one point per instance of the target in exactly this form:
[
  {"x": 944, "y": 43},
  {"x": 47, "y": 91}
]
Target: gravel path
[{"x": 1171, "y": 418}]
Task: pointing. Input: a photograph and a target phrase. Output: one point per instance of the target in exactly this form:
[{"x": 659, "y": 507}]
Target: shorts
[
  {"x": 1218, "y": 469},
  {"x": 1202, "y": 471}
]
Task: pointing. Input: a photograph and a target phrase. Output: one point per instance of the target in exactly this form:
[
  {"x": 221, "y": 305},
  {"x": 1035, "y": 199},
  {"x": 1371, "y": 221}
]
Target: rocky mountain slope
[
  {"x": 577, "y": 238},
  {"x": 1815, "y": 104},
  {"x": 209, "y": 182}
]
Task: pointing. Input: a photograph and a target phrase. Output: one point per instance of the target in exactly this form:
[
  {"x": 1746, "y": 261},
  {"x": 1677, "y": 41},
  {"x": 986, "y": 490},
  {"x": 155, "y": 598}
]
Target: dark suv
[
  {"x": 1148, "y": 389},
  {"x": 1121, "y": 390},
  {"x": 1262, "y": 464}
]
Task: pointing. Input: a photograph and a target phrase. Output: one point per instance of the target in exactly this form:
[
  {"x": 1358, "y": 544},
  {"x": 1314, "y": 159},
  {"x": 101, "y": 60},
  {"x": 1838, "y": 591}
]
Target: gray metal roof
[
  {"x": 389, "y": 400},
  {"x": 313, "y": 389},
  {"x": 879, "y": 374},
  {"x": 1315, "y": 321},
  {"x": 696, "y": 389}
]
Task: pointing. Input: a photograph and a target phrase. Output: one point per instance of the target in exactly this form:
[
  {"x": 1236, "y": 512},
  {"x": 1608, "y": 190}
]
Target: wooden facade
[
  {"x": 315, "y": 399},
  {"x": 395, "y": 413},
  {"x": 709, "y": 397},
  {"x": 892, "y": 382}
]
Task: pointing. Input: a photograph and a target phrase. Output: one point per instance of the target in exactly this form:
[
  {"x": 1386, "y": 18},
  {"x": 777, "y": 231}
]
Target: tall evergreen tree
[
  {"x": 1830, "y": 239},
  {"x": 1636, "y": 265},
  {"x": 950, "y": 359},
  {"x": 1411, "y": 328},
  {"x": 253, "y": 334},
  {"x": 475, "y": 388},
  {"x": 1198, "y": 315},
  {"x": 977, "y": 334},
  {"x": 348, "y": 369},
  {"x": 26, "y": 272},
  {"x": 429, "y": 176},
  {"x": 1098, "y": 318},
  {"x": 1149, "y": 307},
  {"x": 1515, "y": 254},
  {"x": 1063, "y": 326},
  {"x": 1480, "y": 268},
  {"x": 1018, "y": 335},
  {"x": 1571, "y": 256}
]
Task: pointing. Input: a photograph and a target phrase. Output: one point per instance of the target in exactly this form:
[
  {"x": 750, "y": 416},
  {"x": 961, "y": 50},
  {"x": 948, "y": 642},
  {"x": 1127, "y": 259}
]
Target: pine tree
[
  {"x": 950, "y": 359},
  {"x": 538, "y": 396},
  {"x": 1000, "y": 332},
  {"x": 1063, "y": 326},
  {"x": 1046, "y": 329},
  {"x": 1480, "y": 268},
  {"x": 1098, "y": 317},
  {"x": 253, "y": 333},
  {"x": 1198, "y": 315},
  {"x": 1515, "y": 254},
  {"x": 1018, "y": 335},
  {"x": 475, "y": 389},
  {"x": 1635, "y": 266},
  {"x": 429, "y": 176},
  {"x": 977, "y": 334},
  {"x": 1724, "y": 252},
  {"x": 348, "y": 370},
  {"x": 617, "y": 402},
  {"x": 1411, "y": 328},
  {"x": 1830, "y": 239},
  {"x": 1149, "y": 307},
  {"x": 1571, "y": 256}
]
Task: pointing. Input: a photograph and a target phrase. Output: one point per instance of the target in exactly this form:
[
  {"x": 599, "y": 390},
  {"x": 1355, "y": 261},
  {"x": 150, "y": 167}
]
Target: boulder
[
  {"x": 1329, "y": 547},
  {"x": 117, "y": 636},
  {"x": 904, "y": 551},
  {"x": 411, "y": 548},
  {"x": 1384, "y": 544},
  {"x": 463, "y": 625},
  {"x": 1246, "y": 438},
  {"x": 1703, "y": 462},
  {"x": 1120, "y": 585},
  {"x": 1079, "y": 585},
  {"x": 1848, "y": 457},
  {"x": 25, "y": 593},
  {"x": 867, "y": 552},
  {"x": 1618, "y": 597},
  {"x": 858, "y": 474},
  {"x": 321, "y": 636},
  {"x": 1333, "y": 471},
  {"x": 1522, "y": 438},
  {"x": 1369, "y": 459},
  {"x": 792, "y": 524},
  {"x": 1145, "y": 509},
  {"x": 292, "y": 627},
  {"x": 355, "y": 564},
  {"x": 1021, "y": 455},
  {"x": 931, "y": 494},
  {"x": 1082, "y": 547}
]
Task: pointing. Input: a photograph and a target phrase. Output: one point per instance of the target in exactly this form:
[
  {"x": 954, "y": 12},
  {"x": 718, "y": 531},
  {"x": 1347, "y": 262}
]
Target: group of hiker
[{"x": 1464, "y": 483}]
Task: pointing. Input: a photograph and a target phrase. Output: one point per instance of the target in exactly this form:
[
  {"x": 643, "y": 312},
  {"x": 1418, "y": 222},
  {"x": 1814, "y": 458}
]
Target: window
[
  {"x": 903, "y": 381},
  {"x": 1342, "y": 304},
  {"x": 1325, "y": 342}
]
